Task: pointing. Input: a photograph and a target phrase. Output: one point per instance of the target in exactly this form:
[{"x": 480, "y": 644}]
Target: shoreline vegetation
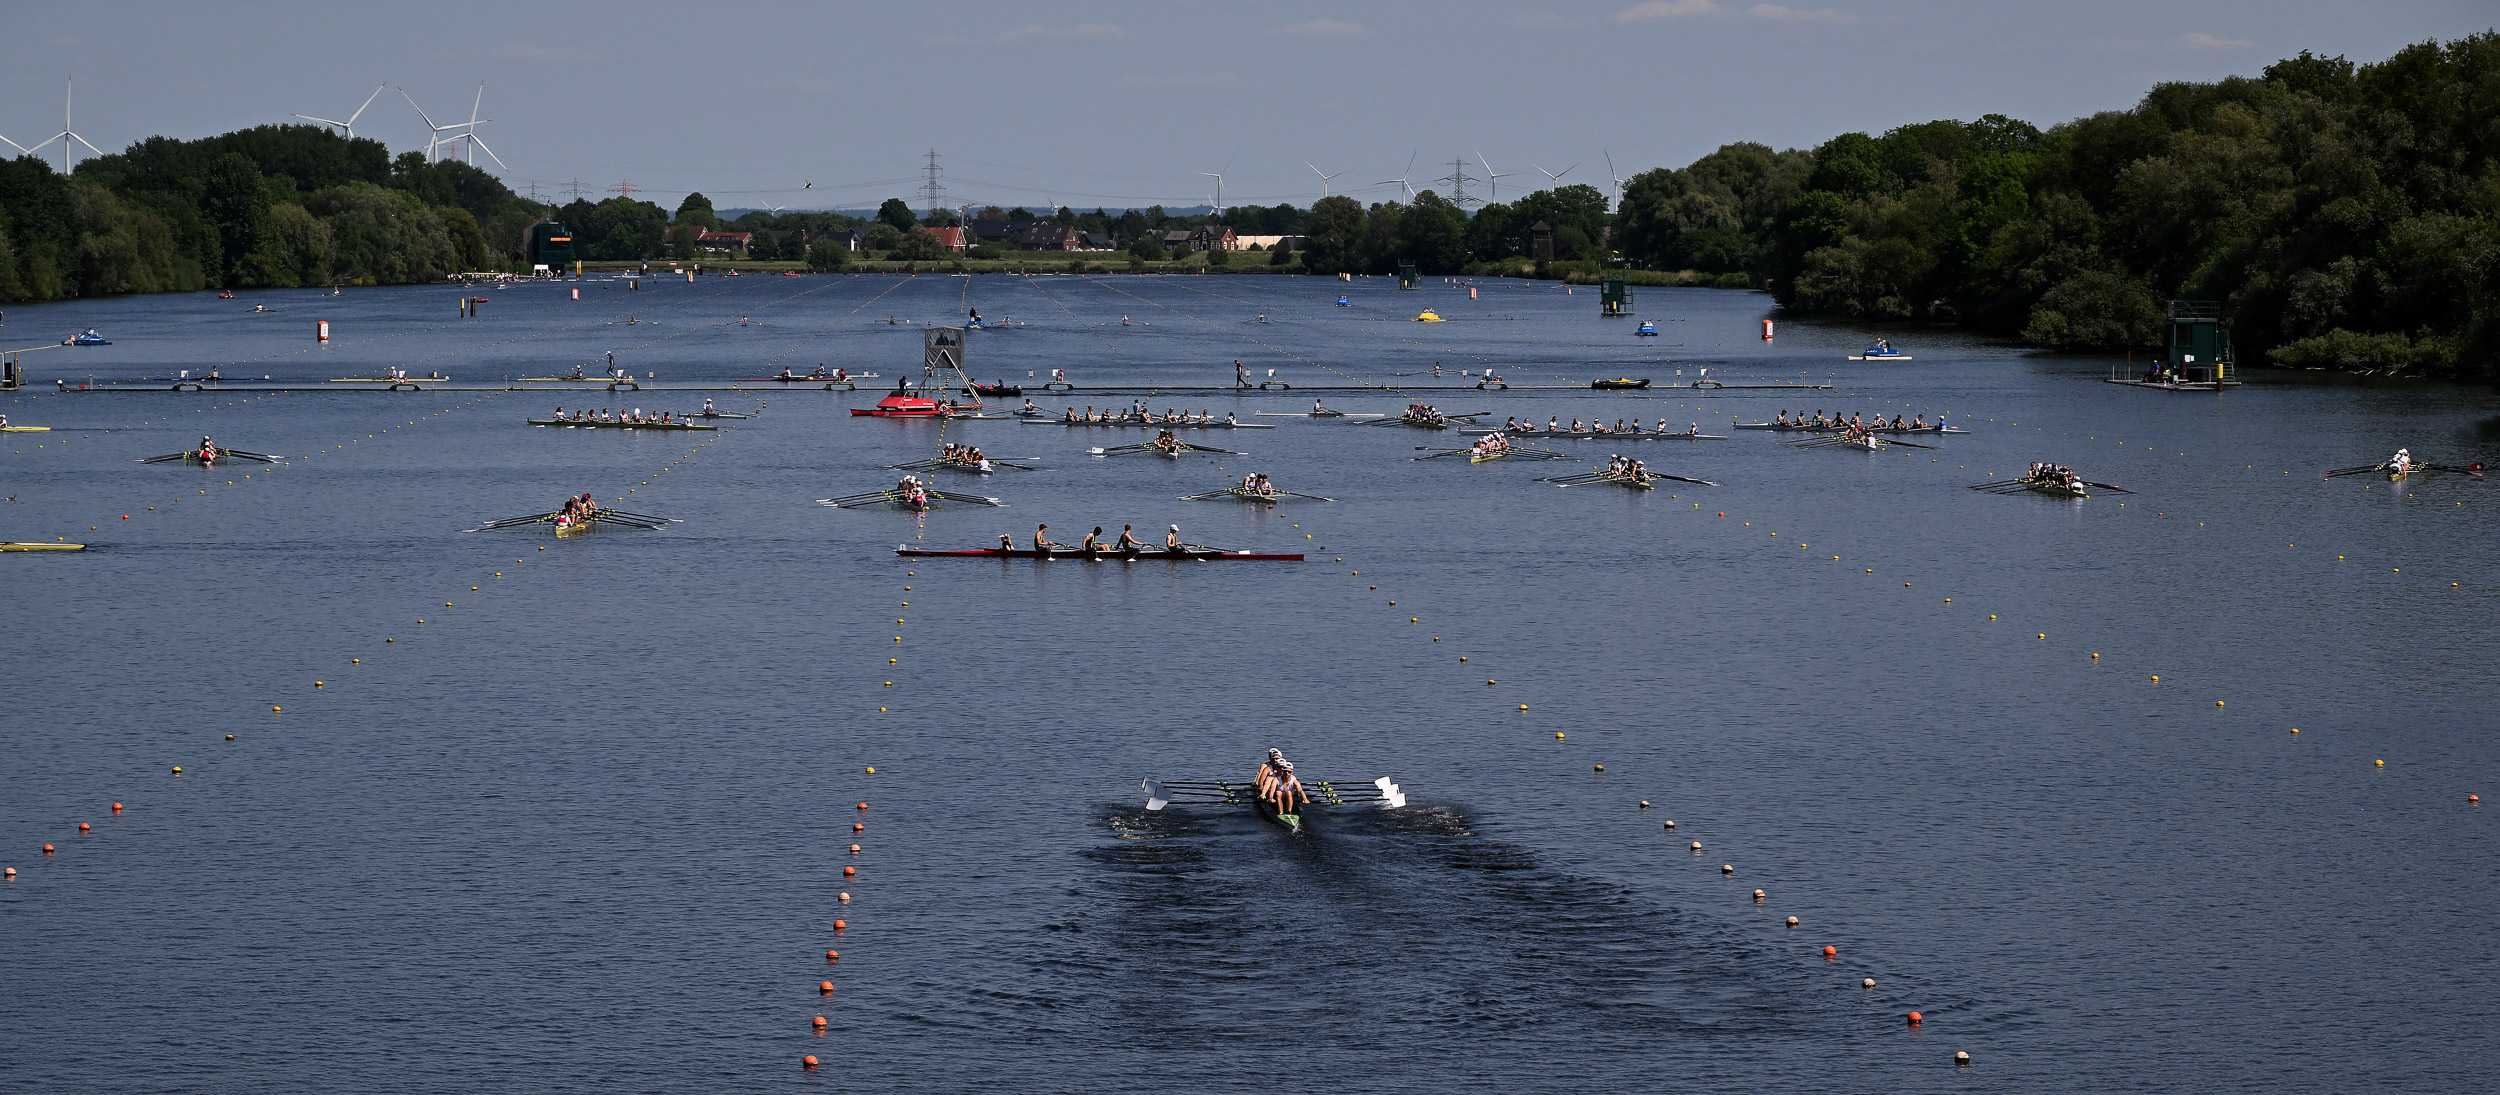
[{"x": 2346, "y": 217}]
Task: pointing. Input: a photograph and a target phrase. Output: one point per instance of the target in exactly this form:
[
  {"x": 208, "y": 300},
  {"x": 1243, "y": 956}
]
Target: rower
[
  {"x": 1918, "y": 422},
  {"x": 1575, "y": 425},
  {"x": 1172, "y": 541},
  {"x": 707, "y": 409},
  {"x": 1041, "y": 540},
  {"x": 1279, "y": 787},
  {"x": 2401, "y": 462},
  {"x": 1129, "y": 543},
  {"x": 1781, "y": 420},
  {"x": 1028, "y": 407},
  {"x": 1316, "y": 409},
  {"x": 1553, "y": 424},
  {"x": 577, "y": 373},
  {"x": 1092, "y": 542},
  {"x": 819, "y": 374}
]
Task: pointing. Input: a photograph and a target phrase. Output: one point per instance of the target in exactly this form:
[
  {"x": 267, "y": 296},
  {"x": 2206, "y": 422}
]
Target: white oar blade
[
  {"x": 1391, "y": 795},
  {"x": 1156, "y": 799}
]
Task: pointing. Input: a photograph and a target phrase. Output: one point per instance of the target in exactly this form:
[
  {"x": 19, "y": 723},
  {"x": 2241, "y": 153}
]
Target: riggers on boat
[{"x": 1380, "y": 792}]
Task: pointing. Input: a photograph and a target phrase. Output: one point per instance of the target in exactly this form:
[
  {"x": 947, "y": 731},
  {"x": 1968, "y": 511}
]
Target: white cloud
[
  {"x": 2202, "y": 40},
  {"x": 1324, "y": 28},
  {"x": 1666, "y": 9},
  {"x": 1091, "y": 32},
  {"x": 1192, "y": 80},
  {"x": 1788, "y": 14}
]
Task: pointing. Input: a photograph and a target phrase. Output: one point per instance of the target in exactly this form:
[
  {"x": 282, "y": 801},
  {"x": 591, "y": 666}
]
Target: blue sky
[{"x": 1100, "y": 102}]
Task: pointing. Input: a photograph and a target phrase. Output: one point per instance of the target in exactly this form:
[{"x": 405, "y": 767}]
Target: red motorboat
[{"x": 900, "y": 405}]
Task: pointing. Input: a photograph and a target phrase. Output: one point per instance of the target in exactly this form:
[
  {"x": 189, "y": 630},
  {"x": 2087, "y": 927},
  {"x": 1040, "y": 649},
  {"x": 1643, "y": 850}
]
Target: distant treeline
[{"x": 2346, "y": 216}]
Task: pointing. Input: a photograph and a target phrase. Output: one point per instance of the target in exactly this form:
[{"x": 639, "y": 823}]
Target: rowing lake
[{"x": 572, "y": 815}]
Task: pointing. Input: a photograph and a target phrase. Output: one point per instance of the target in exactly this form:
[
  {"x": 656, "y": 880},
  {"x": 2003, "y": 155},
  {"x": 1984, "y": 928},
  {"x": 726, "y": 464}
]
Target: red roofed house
[
  {"x": 724, "y": 241},
  {"x": 955, "y": 237}
]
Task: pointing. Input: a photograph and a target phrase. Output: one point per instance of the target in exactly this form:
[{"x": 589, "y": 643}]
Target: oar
[
  {"x": 974, "y": 499},
  {"x": 1908, "y": 444},
  {"x": 1312, "y": 497},
  {"x": 2331, "y": 473},
  {"x": 2108, "y": 486},
  {"x": 858, "y": 499},
  {"x": 2475, "y": 470},
  {"x": 263, "y": 457},
  {"x": 511, "y": 522},
  {"x": 1187, "y": 447},
  {"x": 1681, "y": 479},
  {"x": 1445, "y": 452}
]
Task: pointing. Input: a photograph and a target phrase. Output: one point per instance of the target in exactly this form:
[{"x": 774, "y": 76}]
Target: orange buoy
[
  {"x": 10, "y": 872},
  {"x": 863, "y": 806},
  {"x": 854, "y": 849},
  {"x": 1831, "y": 952},
  {"x": 846, "y": 899},
  {"x": 849, "y": 871},
  {"x": 820, "y": 1022},
  {"x": 2473, "y": 798},
  {"x": 1961, "y": 1060},
  {"x": 1727, "y": 868},
  {"x": 1696, "y": 845},
  {"x": 117, "y": 807},
  {"x": 1757, "y": 897},
  {"x": 808, "y": 1061},
  {"x": 839, "y": 925},
  {"x": 82, "y": 826},
  {"x": 1916, "y": 1018},
  {"x": 824, "y": 988},
  {"x": 1792, "y": 921},
  {"x": 857, "y": 827},
  {"x": 47, "y": 849},
  {"x": 833, "y": 956}
]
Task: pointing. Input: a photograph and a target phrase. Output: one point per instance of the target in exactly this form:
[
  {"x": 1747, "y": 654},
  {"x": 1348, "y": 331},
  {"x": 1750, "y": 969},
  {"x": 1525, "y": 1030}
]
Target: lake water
[{"x": 583, "y": 827}]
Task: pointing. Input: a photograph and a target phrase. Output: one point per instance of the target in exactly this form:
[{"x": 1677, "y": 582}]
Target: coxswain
[
  {"x": 1172, "y": 541},
  {"x": 1006, "y": 542},
  {"x": 1092, "y": 542},
  {"x": 1129, "y": 543}
]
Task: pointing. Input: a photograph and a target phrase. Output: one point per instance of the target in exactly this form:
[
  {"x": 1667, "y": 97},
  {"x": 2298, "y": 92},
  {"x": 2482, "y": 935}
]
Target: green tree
[
  {"x": 920, "y": 245},
  {"x": 1148, "y": 249},
  {"x": 235, "y": 202},
  {"x": 828, "y": 255},
  {"x": 882, "y": 237},
  {"x": 696, "y": 210},
  {"x": 1336, "y": 237},
  {"x": 897, "y": 214}
]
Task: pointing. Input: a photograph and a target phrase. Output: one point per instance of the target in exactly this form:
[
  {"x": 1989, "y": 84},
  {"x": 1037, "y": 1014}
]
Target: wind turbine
[
  {"x": 1323, "y": 176},
  {"x": 1218, "y": 176},
  {"x": 65, "y": 136},
  {"x": 1401, "y": 179},
  {"x": 1553, "y": 178},
  {"x": 349, "y": 126},
  {"x": 1610, "y": 173},
  {"x": 1492, "y": 177},
  {"x": 465, "y": 132}
]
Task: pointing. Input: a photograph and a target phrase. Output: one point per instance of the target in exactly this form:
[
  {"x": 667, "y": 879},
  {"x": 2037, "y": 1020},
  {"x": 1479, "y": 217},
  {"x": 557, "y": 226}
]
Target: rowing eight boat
[{"x": 599, "y": 423}]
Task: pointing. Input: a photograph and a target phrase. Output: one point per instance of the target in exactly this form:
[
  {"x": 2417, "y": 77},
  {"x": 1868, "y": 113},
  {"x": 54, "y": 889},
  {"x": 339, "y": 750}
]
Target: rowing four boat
[
  {"x": 41, "y": 547},
  {"x": 1794, "y": 426},
  {"x": 1103, "y": 555}
]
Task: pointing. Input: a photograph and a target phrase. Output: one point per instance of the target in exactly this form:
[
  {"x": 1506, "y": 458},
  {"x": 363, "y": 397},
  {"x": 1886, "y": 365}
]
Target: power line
[{"x": 1458, "y": 181}]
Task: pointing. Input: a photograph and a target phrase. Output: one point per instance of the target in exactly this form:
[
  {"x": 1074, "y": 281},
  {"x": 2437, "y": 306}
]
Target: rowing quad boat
[
  {"x": 25, "y": 429},
  {"x": 576, "y": 527},
  {"x": 41, "y": 547},
  {"x": 597, "y": 423},
  {"x": 1102, "y": 555},
  {"x": 1618, "y": 435}
]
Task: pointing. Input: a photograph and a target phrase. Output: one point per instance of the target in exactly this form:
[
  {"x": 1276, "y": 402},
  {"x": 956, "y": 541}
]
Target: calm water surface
[{"x": 583, "y": 827}]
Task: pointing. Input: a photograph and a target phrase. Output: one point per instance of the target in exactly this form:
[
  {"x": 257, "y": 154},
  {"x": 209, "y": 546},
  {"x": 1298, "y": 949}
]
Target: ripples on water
[{"x": 584, "y": 830}]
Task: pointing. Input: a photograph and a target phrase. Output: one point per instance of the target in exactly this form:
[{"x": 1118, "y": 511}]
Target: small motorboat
[
  {"x": 998, "y": 389},
  {"x": 1619, "y": 383},
  {"x": 1647, "y": 328},
  {"x": 87, "y": 338},
  {"x": 1345, "y": 302},
  {"x": 1429, "y": 316},
  {"x": 1881, "y": 351}
]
